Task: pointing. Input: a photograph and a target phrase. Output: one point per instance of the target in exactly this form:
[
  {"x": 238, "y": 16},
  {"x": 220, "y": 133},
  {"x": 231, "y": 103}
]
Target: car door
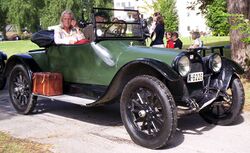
[
  {"x": 85, "y": 64},
  {"x": 73, "y": 61}
]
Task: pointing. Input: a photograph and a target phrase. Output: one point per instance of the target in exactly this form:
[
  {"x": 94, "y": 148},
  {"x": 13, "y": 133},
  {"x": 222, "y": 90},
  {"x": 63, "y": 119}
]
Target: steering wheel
[{"x": 117, "y": 29}]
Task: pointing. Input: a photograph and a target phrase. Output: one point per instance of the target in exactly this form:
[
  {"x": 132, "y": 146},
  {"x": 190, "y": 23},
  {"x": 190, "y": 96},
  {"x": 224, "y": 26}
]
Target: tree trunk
[{"x": 240, "y": 50}]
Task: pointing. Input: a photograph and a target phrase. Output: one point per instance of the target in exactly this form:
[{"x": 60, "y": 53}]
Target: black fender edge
[
  {"x": 229, "y": 69},
  {"x": 3, "y": 58},
  {"x": 144, "y": 66},
  {"x": 26, "y": 60}
]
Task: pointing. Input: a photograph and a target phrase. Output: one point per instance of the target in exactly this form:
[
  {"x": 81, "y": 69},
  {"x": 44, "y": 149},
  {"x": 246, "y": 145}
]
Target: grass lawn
[
  {"x": 14, "y": 47},
  {"x": 207, "y": 41},
  {"x": 9, "y": 144},
  {"x": 210, "y": 41}
]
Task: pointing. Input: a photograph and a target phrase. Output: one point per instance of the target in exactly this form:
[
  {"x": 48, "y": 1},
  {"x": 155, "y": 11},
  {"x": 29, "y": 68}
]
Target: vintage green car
[{"x": 154, "y": 86}]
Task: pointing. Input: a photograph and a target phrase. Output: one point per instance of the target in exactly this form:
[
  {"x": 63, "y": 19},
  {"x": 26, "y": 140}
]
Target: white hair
[{"x": 66, "y": 12}]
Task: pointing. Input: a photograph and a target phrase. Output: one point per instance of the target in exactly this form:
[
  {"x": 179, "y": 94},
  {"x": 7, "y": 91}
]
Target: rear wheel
[
  {"x": 226, "y": 110},
  {"x": 148, "y": 112},
  {"x": 20, "y": 90}
]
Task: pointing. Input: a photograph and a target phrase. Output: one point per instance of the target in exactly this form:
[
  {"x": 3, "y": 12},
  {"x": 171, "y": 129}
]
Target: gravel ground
[{"x": 71, "y": 128}]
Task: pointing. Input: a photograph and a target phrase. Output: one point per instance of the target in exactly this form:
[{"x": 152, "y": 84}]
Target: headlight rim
[
  {"x": 177, "y": 65},
  {"x": 211, "y": 59}
]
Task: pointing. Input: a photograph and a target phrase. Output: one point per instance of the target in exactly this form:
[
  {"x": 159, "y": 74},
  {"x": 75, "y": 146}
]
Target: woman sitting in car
[{"x": 67, "y": 32}]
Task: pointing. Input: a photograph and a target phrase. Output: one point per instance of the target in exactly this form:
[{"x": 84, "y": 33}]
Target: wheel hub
[{"x": 142, "y": 113}]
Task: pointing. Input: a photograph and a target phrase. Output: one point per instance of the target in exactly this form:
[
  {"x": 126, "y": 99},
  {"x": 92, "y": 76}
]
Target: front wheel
[
  {"x": 148, "y": 112},
  {"x": 226, "y": 110},
  {"x": 20, "y": 90}
]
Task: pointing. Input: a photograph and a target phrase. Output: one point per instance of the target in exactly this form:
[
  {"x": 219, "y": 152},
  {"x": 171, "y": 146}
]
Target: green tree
[
  {"x": 168, "y": 10},
  {"x": 23, "y": 13},
  {"x": 3, "y": 16},
  {"x": 217, "y": 18},
  {"x": 35, "y": 13},
  {"x": 52, "y": 10}
]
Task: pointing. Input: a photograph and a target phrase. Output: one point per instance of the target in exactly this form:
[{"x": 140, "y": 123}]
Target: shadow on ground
[
  {"x": 103, "y": 115},
  {"x": 110, "y": 116},
  {"x": 107, "y": 116},
  {"x": 6, "y": 110}
]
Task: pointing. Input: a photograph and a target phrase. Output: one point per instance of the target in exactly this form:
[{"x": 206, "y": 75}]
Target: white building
[
  {"x": 141, "y": 5},
  {"x": 189, "y": 20}
]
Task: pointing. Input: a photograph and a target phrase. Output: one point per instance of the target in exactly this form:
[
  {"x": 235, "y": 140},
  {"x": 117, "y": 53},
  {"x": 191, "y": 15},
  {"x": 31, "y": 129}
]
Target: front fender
[
  {"x": 3, "y": 58},
  {"x": 144, "y": 66},
  {"x": 26, "y": 60},
  {"x": 229, "y": 69}
]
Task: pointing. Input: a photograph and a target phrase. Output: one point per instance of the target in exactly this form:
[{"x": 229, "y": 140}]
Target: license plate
[{"x": 195, "y": 77}]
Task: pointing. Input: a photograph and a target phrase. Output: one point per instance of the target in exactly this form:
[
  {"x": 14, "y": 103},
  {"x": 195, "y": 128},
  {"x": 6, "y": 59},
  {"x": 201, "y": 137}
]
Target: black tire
[
  {"x": 151, "y": 122},
  {"x": 20, "y": 90},
  {"x": 226, "y": 112},
  {"x": 2, "y": 78}
]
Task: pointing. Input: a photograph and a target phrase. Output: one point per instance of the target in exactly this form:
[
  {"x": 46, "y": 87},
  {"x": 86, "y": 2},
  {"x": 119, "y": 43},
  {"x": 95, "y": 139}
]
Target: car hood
[{"x": 123, "y": 52}]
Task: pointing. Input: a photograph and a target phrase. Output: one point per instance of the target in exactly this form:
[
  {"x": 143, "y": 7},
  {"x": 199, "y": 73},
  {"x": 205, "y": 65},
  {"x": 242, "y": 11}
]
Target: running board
[{"x": 69, "y": 99}]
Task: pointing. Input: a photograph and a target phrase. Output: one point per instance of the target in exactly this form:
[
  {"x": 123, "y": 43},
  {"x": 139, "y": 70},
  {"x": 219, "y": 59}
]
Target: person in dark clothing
[
  {"x": 177, "y": 42},
  {"x": 158, "y": 33}
]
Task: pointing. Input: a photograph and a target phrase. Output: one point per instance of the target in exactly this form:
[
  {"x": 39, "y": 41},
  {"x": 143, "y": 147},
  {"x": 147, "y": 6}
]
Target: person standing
[
  {"x": 158, "y": 33},
  {"x": 177, "y": 42},
  {"x": 170, "y": 42}
]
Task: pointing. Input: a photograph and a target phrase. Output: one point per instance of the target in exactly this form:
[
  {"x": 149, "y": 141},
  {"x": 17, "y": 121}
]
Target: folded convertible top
[{"x": 43, "y": 38}]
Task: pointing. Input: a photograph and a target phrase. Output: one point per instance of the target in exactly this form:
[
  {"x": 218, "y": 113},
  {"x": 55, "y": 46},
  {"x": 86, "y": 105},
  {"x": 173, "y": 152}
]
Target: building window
[
  {"x": 129, "y": 4},
  {"x": 188, "y": 14},
  {"x": 188, "y": 28},
  {"x": 123, "y": 4},
  {"x": 118, "y": 4}
]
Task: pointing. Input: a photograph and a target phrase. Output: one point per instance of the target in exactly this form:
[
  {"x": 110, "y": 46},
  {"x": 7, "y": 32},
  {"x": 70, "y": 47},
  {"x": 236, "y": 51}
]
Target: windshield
[{"x": 116, "y": 23}]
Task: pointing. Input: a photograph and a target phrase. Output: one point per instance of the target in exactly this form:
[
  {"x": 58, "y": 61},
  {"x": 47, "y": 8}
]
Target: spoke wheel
[
  {"x": 145, "y": 110},
  {"x": 227, "y": 108},
  {"x": 20, "y": 90},
  {"x": 148, "y": 112}
]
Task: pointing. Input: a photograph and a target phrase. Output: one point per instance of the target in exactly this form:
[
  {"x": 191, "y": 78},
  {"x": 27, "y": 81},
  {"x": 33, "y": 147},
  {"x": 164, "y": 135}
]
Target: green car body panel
[{"x": 81, "y": 64}]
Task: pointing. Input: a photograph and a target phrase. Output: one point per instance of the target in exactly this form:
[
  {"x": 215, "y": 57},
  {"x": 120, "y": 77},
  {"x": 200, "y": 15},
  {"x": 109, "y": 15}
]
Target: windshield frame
[{"x": 98, "y": 38}]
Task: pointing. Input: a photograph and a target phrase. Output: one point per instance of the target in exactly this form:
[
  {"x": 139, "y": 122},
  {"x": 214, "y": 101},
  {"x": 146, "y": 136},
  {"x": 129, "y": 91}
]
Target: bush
[{"x": 217, "y": 18}]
